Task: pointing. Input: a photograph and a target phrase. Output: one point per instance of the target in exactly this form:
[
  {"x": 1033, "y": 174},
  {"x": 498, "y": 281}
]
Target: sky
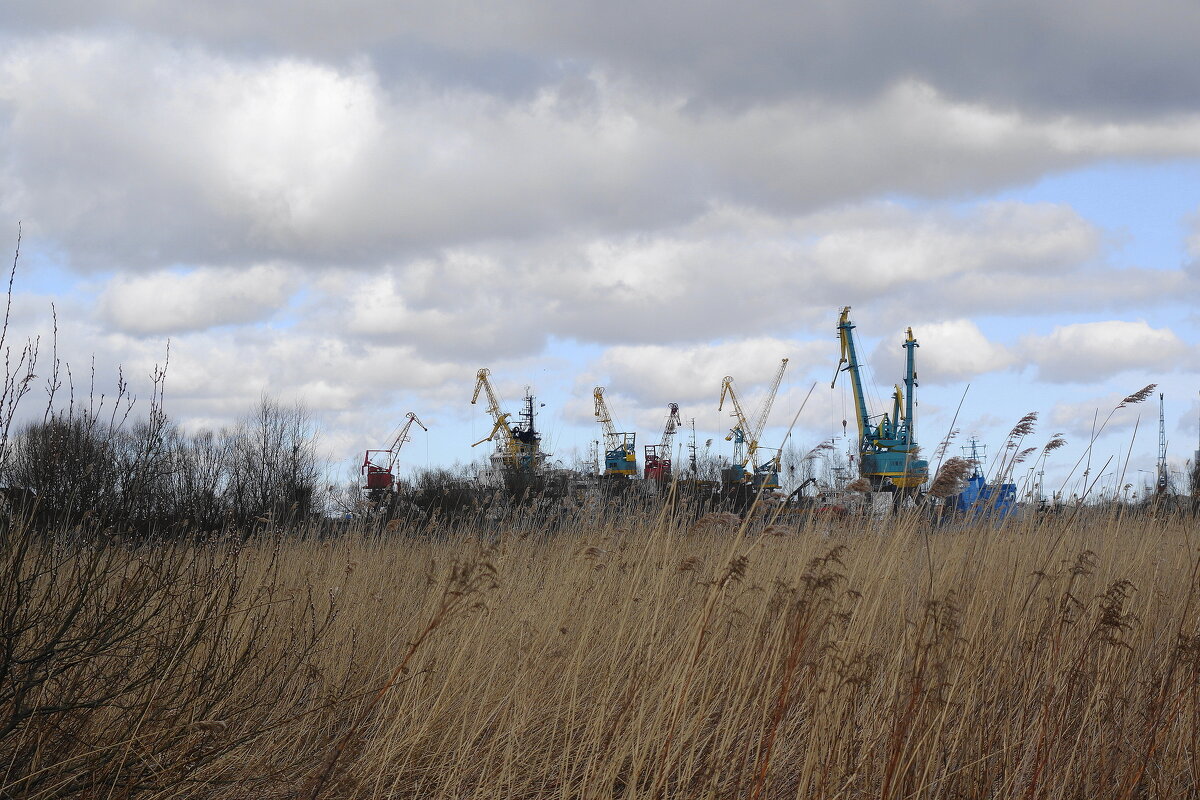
[{"x": 358, "y": 205}]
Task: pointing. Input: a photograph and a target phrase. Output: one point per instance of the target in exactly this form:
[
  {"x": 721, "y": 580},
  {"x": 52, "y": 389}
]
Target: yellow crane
[
  {"x": 620, "y": 452},
  {"x": 745, "y": 434},
  {"x": 516, "y": 448}
]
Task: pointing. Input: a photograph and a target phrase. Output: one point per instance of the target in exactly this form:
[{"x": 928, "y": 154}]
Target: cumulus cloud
[
  {"x": 740, "y": 273},
  {"x": 949, "y": 352},
  {"x": 676, "y": 195},
  {"x": 657, "y": 374},
  {"x": 1094, "y": 351},
  {"x": 166, "y": 303},
  {"x": 1082, "y": 418},
  {"x": 1107, "y": 58},
  {"x": 134, "y": 152}
]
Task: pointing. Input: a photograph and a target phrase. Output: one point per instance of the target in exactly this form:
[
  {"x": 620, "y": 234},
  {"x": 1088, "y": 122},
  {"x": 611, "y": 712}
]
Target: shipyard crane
[
  {"x": 745, "y": 434},
  {"x": 379, "y": 478},
  {"x": 517, "y": 448},
  {"x": 887, "y": 446},
  {"x": 658, "y": 456},
  {"x": 620, "y": 453}
]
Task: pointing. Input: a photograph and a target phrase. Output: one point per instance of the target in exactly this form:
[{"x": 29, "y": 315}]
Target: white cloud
[
  {"x": 434, "y": 190},
  {"x": 130, "y": 151},
  {"x": 654, "y": 375},
  {"x": 1084, "y": 418},
  {"x": 171, "y": 302},
  {"x": 948, "y": 352},
  {"x": 1107, "y": 57},
  {"x": 1094, "y": 351},
  {"x": 739, "y": 273}
]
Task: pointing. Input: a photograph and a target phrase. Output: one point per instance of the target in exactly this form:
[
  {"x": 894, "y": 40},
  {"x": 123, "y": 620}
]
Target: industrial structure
[
  {"x": 658, "y": 456},
  {"x": 745, "y": 436},
  {"x": 888, "y": 455},
  {"x": 518, "y": 447},
  {"x": 620, "y": 447},
  {"x": 1162, "y": 482},
  {"x": 380, "y": 478},
  {"x": 883, "y": 455}
]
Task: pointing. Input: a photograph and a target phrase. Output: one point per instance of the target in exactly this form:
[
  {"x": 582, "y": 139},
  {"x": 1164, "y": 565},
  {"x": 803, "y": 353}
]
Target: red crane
[
  {"x": 658, "y": 456},
  {"x": 377, "y": 477}
]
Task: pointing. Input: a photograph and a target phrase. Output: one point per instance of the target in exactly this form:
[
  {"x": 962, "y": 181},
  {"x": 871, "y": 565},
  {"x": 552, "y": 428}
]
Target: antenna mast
[{"x": 1162, "y": 484}]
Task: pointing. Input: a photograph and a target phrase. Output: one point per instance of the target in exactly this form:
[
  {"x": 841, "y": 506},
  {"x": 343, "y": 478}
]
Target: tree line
[{"x": 77, "y": 466}]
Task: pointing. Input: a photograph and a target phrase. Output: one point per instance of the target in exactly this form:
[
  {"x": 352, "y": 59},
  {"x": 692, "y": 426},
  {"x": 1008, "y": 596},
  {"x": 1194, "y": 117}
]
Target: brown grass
[{"x": 1053, "y": 658}]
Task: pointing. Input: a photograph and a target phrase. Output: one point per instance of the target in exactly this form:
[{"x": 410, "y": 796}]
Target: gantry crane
[
  {"x": 888, "y": 455},
  {"x": 658, "y": 456},
  {"x": 378, "y": 478},
  {"x": 745, "y": 435},
  {"x": 517, "y": 449},
  {"x": 620, "y": 453}
]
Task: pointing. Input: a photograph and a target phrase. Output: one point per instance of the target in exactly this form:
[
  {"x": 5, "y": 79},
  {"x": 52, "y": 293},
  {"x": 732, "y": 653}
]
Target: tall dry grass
[{"x": 659, "y": 658}]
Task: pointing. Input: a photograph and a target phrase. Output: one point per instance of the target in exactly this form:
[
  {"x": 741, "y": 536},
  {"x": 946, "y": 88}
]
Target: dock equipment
[
  {"x": 620, "y": 448},
  {"x": 888, "y": 455},
  {"x": 378, "y": 478},
  {"x": 745, "y": 436},
  {"x": 658, "y": 456},
  {"x": 518, "y": 448}
]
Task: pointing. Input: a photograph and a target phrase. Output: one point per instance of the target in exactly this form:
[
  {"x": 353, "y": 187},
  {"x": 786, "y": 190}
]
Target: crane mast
[
  {"x": 658, "y": 456},
  {"x": 746, "y": 435},
  {"x": 620, "y": 453},
  {"x": 888, "y": 452}
]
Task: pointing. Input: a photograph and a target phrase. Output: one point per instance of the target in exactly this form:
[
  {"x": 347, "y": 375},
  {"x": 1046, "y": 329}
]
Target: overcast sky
[{"x": 361, "y": 204}]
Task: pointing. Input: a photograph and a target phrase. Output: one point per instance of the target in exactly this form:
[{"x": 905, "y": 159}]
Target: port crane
[
  {"x": 887, "y": 446},
  {"x": 517, "y": 448},
  {"x": 379, "y": 478},
  {"x": 620, "y": 453},
  {"x": 745, "y": 434},
  {"x": 658, "y": 456}
]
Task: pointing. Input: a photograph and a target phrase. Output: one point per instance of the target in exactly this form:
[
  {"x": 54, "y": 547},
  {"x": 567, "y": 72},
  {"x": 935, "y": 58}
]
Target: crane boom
[
  {"x": 745, "y": 432},
  {"x": 500, "y": 419},
  {"x": 760, "y": 421},
  {"x": 673, "y": 423},
  {"x": 402, "y": 437},
  {"x": 849, "y": 358},
  {"x": 604, "y": 417}
]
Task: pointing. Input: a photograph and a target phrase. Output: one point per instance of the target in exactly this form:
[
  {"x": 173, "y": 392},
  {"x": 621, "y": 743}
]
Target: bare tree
[{"x": 274, "y": 463}]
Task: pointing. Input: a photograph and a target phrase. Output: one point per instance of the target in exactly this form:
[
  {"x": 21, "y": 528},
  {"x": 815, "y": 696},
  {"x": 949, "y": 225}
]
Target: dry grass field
[{"x": 654, "y": 658}]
